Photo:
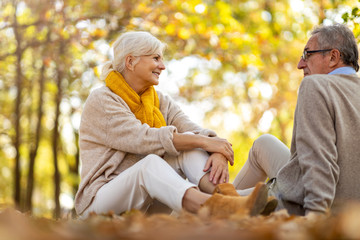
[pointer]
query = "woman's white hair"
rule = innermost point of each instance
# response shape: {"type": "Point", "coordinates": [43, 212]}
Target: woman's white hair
{"type": "Point", "coordinates": [131, 43]}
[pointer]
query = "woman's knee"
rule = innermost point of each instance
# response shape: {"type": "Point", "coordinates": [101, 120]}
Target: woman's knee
{"type": "Point", "coordinates": [193, 159]}
{"type": "Point", "coordinates": [196, 153]}
{"type": "Point", "coordinates": [153, 161]}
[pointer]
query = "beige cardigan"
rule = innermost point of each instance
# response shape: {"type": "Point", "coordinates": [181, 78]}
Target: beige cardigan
{"type": "Point", "coordinates": [324, 168]}
{"type": "Point", "coordinates": [112, 139]}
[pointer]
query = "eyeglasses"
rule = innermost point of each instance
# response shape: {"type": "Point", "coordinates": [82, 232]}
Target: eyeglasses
{"type": "Point", "coordinates": [306, 54]}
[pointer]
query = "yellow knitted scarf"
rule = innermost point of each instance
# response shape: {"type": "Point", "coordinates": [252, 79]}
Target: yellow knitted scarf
{"type": "Point", "coordinates": [144, 107]}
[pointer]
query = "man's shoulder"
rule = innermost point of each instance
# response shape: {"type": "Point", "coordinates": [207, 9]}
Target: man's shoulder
{"type": "Point", "coordinates": [322, 77]}
{"type": "Point", "coordinates": [325, 84]}
{"type": "Point", "coordinates": [325, 79]}
{"type": "Point", "coordinates": [315, 80]}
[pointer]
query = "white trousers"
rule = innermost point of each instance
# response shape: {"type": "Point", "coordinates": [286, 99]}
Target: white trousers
{"type": "Point", "coordinates": [266, 157]}
{"type": "Point", "coordinates": [152, 178]}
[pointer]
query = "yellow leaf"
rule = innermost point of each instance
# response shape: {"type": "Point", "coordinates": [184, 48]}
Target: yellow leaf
{"type": "Point", "coordinates": [8, 10]}
{"type": "Point", "coordinates": [170, 29]}
{"type": "Point", "coordinates": [184, 33]}
{"type": "Point", "coordinates": [98, 33]}
{"type": "Point", "coordinates": [200, 28]}
{"type": "Point", "coordinates": [96, 72]}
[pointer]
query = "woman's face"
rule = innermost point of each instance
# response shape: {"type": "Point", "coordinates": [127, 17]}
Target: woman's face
{"type": "Point", "coordinates": [148, 70]}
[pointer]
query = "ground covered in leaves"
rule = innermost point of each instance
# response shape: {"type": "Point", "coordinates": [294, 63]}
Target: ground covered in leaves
{"type": "Point", "coordinates": [135, 225]}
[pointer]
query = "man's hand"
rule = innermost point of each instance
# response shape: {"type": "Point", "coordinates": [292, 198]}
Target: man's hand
{"type": "Point", "coordinates": [219, 168]}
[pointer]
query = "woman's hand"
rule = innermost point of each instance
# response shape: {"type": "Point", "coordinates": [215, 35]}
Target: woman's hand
{"type": "Point", "coordinates": [183, 142]}
{"type": "Point", "coordinates": [219, 145]}
{"type": "Point", "coordinates": [219, 168]}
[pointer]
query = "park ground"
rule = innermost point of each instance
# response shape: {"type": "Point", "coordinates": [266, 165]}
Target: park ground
{"type": "Point", "coordinates": [135, 225]}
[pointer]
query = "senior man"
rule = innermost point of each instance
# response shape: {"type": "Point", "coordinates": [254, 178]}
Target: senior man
{"type": "Point", "coordinates": [321, 170]}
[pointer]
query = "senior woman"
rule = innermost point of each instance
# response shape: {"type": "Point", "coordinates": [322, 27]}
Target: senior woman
{"type": "Point", "coordinates": [137, 146]}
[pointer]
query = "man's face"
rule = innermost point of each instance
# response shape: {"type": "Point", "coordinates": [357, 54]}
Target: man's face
{"type": "Point", "coordinates": [316, 63]}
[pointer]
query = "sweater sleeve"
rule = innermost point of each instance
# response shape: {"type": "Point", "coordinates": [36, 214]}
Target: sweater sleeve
{"type": "Point", "coordinates": [316, 144]}
{"type": "Point", "coordinates": [124, 132]}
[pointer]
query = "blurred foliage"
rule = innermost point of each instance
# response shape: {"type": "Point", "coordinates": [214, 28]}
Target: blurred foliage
{"type": "Point", "coordinates": [232, 62]}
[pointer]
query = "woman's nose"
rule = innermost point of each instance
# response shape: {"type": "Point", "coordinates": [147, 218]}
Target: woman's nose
{"type": "Point", "coordinates": [162, 66]}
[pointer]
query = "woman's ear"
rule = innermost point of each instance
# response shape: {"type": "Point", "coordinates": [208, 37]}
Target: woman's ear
{"type": "Point", "coordinates": [129, 62]}
{"type": "Point", "coordinates": [335, 58]}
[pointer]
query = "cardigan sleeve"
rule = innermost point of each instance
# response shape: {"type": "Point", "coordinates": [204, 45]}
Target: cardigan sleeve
{"type": "Point", "coordinates": [316, 144]}
{"type": "Point", "coordinates": [123, 131]}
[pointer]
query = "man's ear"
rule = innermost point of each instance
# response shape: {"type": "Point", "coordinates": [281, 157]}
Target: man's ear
{"type": "Point", "coordinates": [335, 58]}
{"type": "Point", "coordinates": [129, 62]}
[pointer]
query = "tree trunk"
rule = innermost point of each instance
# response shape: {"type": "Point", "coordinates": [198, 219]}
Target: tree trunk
{"type": "Point", "coordinates": [60, 73]}
{"type": "Point", "coordinates": [17, 115]}
{"type": "Point", "coordinates": [34, 146]}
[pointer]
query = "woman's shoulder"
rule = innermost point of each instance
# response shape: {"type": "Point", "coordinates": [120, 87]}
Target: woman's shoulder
{"type": "Point", "coordinates": [104, 94]}
{"type": "Point", "coordinates": [99, 91]}
{"type": "Point", "coordinates": [161, 94]}
{"type": "Point", "coordinates": [104, 98]}
{"type": "Point", "coordinates": [164, 98]}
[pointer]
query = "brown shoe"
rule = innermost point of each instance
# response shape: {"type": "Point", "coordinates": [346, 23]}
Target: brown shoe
{"type": "Point", "coordinates": [226, 189]}
{"type": "Point", "coordinates": [229, 190]}
{"type": "Point", "coordinates": [222, 206]}
{"type": "Point", "coordinates": [270, 206]}
{"type": "Point", "coordinates": [257, 200]}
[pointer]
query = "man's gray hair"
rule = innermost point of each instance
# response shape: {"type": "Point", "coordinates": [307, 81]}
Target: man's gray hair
{"type": "Point", "coordinates": [340, 37]}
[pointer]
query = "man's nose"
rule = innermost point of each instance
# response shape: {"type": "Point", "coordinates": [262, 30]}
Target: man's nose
{"type": "Point", "coordinates": [301, 64]}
